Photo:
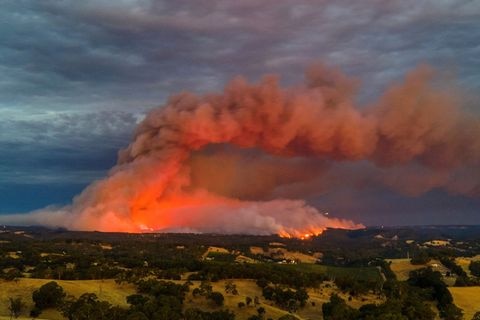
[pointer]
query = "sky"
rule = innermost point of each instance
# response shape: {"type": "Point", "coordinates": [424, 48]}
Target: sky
{"type": "Point", "coordinates": [77, 76]}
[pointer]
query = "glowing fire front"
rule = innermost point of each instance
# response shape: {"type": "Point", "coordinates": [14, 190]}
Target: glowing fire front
{"type": "Point", "coordinates": [206, 212]}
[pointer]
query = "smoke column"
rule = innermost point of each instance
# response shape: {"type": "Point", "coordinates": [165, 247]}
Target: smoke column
{"type": "Point", "coordinates": [188, 167]}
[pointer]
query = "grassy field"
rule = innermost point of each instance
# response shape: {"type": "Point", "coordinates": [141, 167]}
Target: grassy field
{"type": "Point", "coordinates": [115, 294]}
{"type": "Point", "coordinates": [249, 288]}
{"type": "Point", "coordinates": [214, 250]}
{"type": "Point", "coordinates": [245, 288]}
{"type": "Point", "coordinates": [464, 262]}
{"type": "Point", "coordinates": [105, 290]}
{"type": "Point", "coordinates": [467, 298]}
{"type": "Point", "coordinates": [282, 253]}
{"type": "Point", "coordinates": [402, 268]}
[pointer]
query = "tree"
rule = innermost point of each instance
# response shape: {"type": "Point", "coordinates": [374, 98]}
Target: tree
{"type": "Point", "coordinates": [35, 312]}
{"type": "Point", "coordinates": [262, 283]}
{"type": "Point", "coordinates": [216, 297]}
{"type": "Point", "coordinates": [248, 300]}
{"type": "Point", "coordinates": [242, 304]}
{"type": "Point", "coordinates": [12, 275]}
{"type": "Point", "coordinates": [196, 292]}
{"type": "Point", "coordinates": [337, 309]}
{"type": "Point", "coordinates": [462, 282]}
{"type": "Point", "coordinates": [15, 307]}
{"type": "Point", "coordinates": [49, 295]}
{"type": "Point", "coordinates": [286, 297]}
{"type": "Point", "coordinates": [194, 314]}
{"type": "Point", "coordinates": [88, 307]}
{"type": "Point", "coordinates": [136, 299]}
{"type": "Point", "coordinates": [292, 305]}
{"type": "Point", "coordinates": [205, 288]}
{"type": "Point", "coordinates": [452, 312]}
{"type": "Point", "coordinates": [231, 287]}
{"type": "Point", "coordinates": [420, 257]}
{"type": "Point", "coordinates": [197, 314]}
{"type": "Point", "coordinates": [426, 278]}
{"type": "Point", "coordinates": [476, 316]}
{"type": "Point", "coordinates": [475, 268]}
{"type": "Point", "coordinates": [261, 312]}
{"type": "Point", "coordinates": [288, 317]}
{"type": "Point", "coordinates": [137, 316]}
{"type": "Point", "coordinates": [302, 296]}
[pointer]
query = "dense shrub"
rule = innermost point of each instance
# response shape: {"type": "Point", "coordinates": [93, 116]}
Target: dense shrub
{"type": "Point", "coordinates": [217, 298]}
{"type": "Point", "coordinates": [49, 295]}
{"type": "Point", "coordinates": [475, 268]}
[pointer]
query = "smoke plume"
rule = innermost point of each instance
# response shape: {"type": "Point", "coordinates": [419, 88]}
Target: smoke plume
{"type": "Point", "coordinates": [237, 161]}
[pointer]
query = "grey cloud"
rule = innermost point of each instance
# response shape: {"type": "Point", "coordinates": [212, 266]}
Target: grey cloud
{"type": "Point", "coordinates": [135, 49]}
{"type": "Point", "coordinates": [61, 147]}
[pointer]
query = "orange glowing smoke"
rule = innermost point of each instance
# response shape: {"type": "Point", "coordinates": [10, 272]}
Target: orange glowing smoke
{"type": "Point", "coordinates": [164, 180]}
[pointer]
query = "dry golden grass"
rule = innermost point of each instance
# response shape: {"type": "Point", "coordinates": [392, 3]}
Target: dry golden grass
{"type": "Point", "coordinates": [402, 268]}
{"type": "Point", "coordinates": [256, 250]}
{"type": "Point", "coordinates": [437, 243]}
{"type": "Point", "coordinates": [23, 318]}
{"type": "Point", "coordinates": [467, 298]}
{"type": "Point", "coordinates": [13, 255]}
{"type": "Point", "coordinates": [106, 246]}
{"type": "Point", "coordinates": [244, 259]}
{"type": "Point", "coordinates": [249, 288]}
{"type": "Point", "coordinates": [245, 288]}
{"type": "Point", "coordinates": [322, 295]}
{"type": "Point", "coordinates": [464, 262]}
{"type": "Point", "coordinates": [105, 290]}
{"type": "Point", "coordinates": [282, 253]}
{"type": "Point", "coordinates": [49, 254]}
{"type": "Point", "coordinates": [276, 244]}
{"type": "Point", "coordinates": [302, 257]}
{"type": "Point", "coordinates": [214, 250]}
{"type": "Point", "coordinates": [115, 294]}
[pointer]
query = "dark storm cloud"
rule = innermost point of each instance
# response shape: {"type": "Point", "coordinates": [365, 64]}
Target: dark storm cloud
{"type": "Point", "coordinates": [61, 147]}
{"type": "Point", "coordinates": [75, 76]}
{"type": "Point", "coordinates": [142, 50]}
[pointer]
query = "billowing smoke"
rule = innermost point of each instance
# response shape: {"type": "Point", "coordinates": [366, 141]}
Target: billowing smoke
{"type": "Point", "coordinates": [236, 162]}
